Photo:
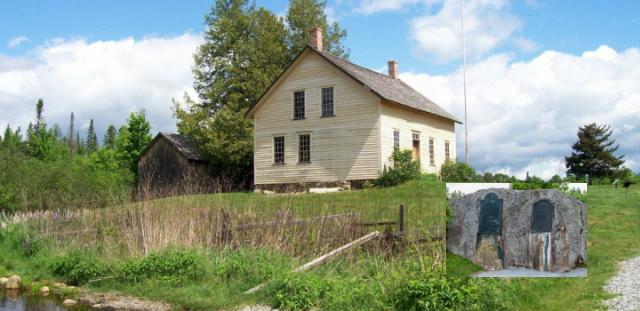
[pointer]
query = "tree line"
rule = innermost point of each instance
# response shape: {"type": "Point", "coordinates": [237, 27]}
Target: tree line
{"type": "Point", "coordinates": [44, 168]}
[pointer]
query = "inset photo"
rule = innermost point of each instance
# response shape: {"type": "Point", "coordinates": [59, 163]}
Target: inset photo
{"type": "Point", "coordinates": [509, 230]}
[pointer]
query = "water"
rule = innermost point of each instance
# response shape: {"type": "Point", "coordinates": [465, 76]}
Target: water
{"type": "Point", "coordinates": [11, 301]}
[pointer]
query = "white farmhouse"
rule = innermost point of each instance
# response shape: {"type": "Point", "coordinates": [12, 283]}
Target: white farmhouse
{"type": "Point", "coordinates": [328, 122]}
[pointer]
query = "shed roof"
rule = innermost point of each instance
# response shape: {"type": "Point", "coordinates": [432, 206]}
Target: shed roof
{"type": "Point", "coordinates": [184, 145]}
{"type": "Point", "coordinates": [394, 90]}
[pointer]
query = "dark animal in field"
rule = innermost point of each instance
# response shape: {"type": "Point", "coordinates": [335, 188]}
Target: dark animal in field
{"type": "Point", "coordinates": [627, 184]}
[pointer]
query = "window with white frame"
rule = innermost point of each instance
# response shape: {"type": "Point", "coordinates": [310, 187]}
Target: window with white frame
{"type": "Point", "coordinates": [304, 148]}
{"type": "Point", "coordinates": [327, 102]}
{"type": "Point", "coordinates": [446, 151]}
{"type": "Point", "coordinates": [278, 150]}
{"type": "Point", "coordinates": [298, 105]}
{"type": "Point", "coordinates": [396, 139]}
{"type": "Point", "coordinates": [432, 155]}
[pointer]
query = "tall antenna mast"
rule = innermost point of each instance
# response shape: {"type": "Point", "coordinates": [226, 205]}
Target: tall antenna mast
{"type": "Point", "coordinates": [464, 83]}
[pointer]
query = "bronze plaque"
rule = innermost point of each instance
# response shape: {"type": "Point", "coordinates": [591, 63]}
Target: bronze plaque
{"type": "Point", "coordinates": [490, 215]}
{"type": "Point", "coordinates": [542, 217]}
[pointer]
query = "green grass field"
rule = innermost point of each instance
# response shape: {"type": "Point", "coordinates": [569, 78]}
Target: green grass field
{"type": "Point", "coordinates": [613, 235]}
{"type": "Point", "coordinates": [202, 278]}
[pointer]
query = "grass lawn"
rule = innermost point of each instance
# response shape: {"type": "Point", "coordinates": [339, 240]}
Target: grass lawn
{"type": "Point", "coordinates": [613, 235]}
{"type": "Point", "coordinates": [105, 243]}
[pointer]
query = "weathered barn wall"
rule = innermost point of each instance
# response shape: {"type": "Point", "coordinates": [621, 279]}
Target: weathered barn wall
{"type": "Point", "coordinates": [519, 243]}
{"type": "Point", "coordinates": [164, 171]}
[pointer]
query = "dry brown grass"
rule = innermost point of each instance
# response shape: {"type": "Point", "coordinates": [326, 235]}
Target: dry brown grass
{"type": "Point", "coordinates": [302, 225]}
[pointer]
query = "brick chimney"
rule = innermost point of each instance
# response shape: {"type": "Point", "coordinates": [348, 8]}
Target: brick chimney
{"type": "Point", "coordinates": [315, 38]}
{"type": "Point", "coordinates": [393, 69]}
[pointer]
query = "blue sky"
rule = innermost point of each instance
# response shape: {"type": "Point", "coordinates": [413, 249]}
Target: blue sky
{"type": "Point", "coordinates": [551, 25]}
{"type": "Point", "coordinates": [537, 69]}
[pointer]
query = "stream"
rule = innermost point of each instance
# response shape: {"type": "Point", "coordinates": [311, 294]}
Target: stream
{"type": "Point", "coordinates": [12, 301]}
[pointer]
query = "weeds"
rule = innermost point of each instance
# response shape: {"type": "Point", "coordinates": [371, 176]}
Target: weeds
{"type": "Point", "coordinates": [175, 267]}
{"type": "Point", "coordinates": [77, 268]}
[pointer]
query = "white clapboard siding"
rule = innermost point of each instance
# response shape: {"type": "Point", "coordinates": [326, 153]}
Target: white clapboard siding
{"type": "Point", "coordinates": [344, 147]}
{"type": "Point", "coordinates": [406, 120]}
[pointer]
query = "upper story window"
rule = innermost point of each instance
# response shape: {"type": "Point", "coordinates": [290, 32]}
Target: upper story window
{"type": "Point", "coordinates": [278, 150]}
{"type": "Point", "coordinates": [327, 102]}
{"type": "Point", "coordinates": [446, 151]}
{"type": "Point", "coordinates": [396, 139]}
{"type": "Point", "coordinates": [298, 105]}
{"type": "Point", "coordinates": [432, 155]}
{"type": "Point", "coordinates": [304, 148]}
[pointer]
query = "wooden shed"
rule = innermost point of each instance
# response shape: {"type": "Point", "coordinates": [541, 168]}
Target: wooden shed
{"type": "Point", "coordinates": [171, 165]}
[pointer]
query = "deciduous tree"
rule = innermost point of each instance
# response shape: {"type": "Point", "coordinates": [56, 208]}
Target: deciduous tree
{"type": "Point", "coordinates": [132, 139]}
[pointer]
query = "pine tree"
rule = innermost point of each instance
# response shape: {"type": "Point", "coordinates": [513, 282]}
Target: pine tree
{"type": "Point", "coordinates": [109, 140]}
{"type": "Point", "coordinates": [593, 153]}
{"type": "Point", "coordinates": [70, 134]}
{"type": "Point", "coordinates": [39, 115]}
{"type": "Point", "coordinates": [92, 138]}
{"type": "Point", "coordinates": [6, 138]}
{"type": "Point", "coordinates": [40, 142]}
{"type": "Point", "coordinates": [80, 146]}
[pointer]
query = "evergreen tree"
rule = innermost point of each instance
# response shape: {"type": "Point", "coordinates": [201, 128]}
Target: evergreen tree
{"type": "Point", "coordinates": [303, 15]}
{"type": "Point", "coordinates": [92, 138]}
{"type": "Point", "coordinates": [6, 137]}
{"type": "Point", "coordinates": [11, 139]}
{"type": "Point", "coordinates": [244, 50]}
{"type": "Point", "coordinates": [593, 153]}
{"type": "Point", "coordinates": [70, 134]}
{"type": "Point", "coordinates": [79, 145]}
{"type": "Point", "coordinates": [40, 142]}
{"type": "Point", "coordinates": [109, 140]}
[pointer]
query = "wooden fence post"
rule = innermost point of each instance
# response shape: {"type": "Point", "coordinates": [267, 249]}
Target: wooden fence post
{"type": "Point", "coordinates": [227, 233]}
{"type": "Point", "coordinates": [401, 218]}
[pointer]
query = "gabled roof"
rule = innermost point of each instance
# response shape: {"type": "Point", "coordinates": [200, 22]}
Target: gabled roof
{"type": "Point", "coordinates": [393, 90]}
{"type": "Point", "coordinates": [184, 145]}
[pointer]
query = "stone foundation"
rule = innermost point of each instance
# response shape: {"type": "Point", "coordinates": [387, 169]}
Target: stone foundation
{"type": "Point", "coordinates": [304, 187]}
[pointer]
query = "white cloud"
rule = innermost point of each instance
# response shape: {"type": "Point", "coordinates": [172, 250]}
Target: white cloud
{"type": "Point", "coordinates": [375, 6]}
{"type": "Point", "coordinates": [487, 24]}
{"type": "Point", "coordinates": [523, 116]}
{"type": "Point", "coordinates": [525, 44]}
{"type": "Point", "coordinates": [17, 41]}
{"type": "Point", "coordinates": [103, 80]}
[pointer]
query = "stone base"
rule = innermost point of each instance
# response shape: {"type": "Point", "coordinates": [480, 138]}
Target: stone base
{"type": "Point", "coordinates": [305, 187]}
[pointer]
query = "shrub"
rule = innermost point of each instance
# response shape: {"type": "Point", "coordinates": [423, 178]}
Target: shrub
{"type": "Point", "coordinates": [16, 238]}
{"type": "Point", "coordinates": [63, 183]}
{"type": "Point", "coordinates": [77, 267]}
{"type": "Point", "coordinates": [404, 168]}
{"type": "Point", "coordinates": [458, 172]}
{"type": "Point", "coordinates": [436, 292]}
{"type": "Point", "coordinates": [172, 266]}
{"type": "Point", "coordinates": [298, 292]}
